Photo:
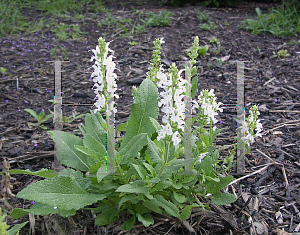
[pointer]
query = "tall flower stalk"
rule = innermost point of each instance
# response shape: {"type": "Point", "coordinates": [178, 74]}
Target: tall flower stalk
{"type": "Point", "coordinates": [252, 127]}
{"type": "Point", "coordinates": [104, 78]}
{"type": "Point", "coordinates": [172, 104]}
{"type": "Point", "coordinates": [105, 86]}
{"type": "Point", "coordinates": [155, 65]}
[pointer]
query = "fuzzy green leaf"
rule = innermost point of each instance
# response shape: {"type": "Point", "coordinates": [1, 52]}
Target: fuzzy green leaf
{"type": "Point", "coordinates": [130, 188]}
{"type": "Point", "coordinates": [140, 170]}
{"type": "Point", "coordinates": [90, 142]}
{"type": "Point", "coordinates": [150, 168]}
{"type": "Point", "coordinates": [108, 216]}
{"type": "Point", "coordinates": [145, 105]}
{"type": "Point", "coordinates": [214, 187]}
{"type": "Point", "coordinates": [153, 151]}
{"type": "Point", "coordinates": [15, 229]}
{"type": "Point", "coordinates": [17, 213]}
{"type": "Point", "coordinates": [32, 112]}
{"type": "Point", "coordinates": [186, 212]}
{"type": "Point", "coordinates": [43, 209]}
{"type": "Point", "coordinates": [46, 173]}
{"type": "Point", "coordinates": [179, 197]}
{"type": "Point", "coordinates": [155, 123]}
{"type": "Point", "coordinates": [134, 146]}
{"type": "Point", "coordinates": [72, 157]}
{"type": "Point", "coordinates": [169, 207]}
{"type": "Point", "coordinates": [146, 219]}
{"type": "Point", "coordinates": [89, 152]}
{"type": "Point", "coordinates": [127, 226]}
{"type": "Point", "coordinates": [194, 86]}
{"type": "Point", "coordinates": [101, 173]}
{"type": "Point", "coordinates": [223, 198]}
{"type": "Point", "coordinates": [152, 205]}
{"type": "Point", "coordinates": [128, 197]}
{"type": "Point", "coordinates": [94, 125]}
{"type": "Point", "coordinates": [63, 192]}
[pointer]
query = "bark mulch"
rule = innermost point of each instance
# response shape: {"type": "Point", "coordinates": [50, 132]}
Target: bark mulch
{"type": "Point", "coordinates": [268, 200]}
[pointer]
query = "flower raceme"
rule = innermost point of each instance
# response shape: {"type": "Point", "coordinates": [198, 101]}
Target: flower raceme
{"type": "Point", "coordinates": [104, 78]}
{"type": "Point", "coordinates": [172, 104]}
{"type": "Point", "coordinates": [208, 106]}
{"type": "Point", "coordinates": [251, 125]}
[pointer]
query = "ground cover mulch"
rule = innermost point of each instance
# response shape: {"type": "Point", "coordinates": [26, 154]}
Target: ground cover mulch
{"type": "Point", "coordinates": [268, 201]}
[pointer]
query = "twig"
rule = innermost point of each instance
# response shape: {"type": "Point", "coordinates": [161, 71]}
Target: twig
{"type": "Point", "coordinates": [282, 125]}
{"type": "Point", "coordinates": [269, 80]}
{"type": "Point", "coordinates": [284, 111]}
{"type": "Point", "coordinates": [253, 173]}
{"type": "Point", "coordinates": [285, 178]}
{"type": "Point", "coordinates": [291, 156]}
{"type": "Point", "coordinates": [266, 156]}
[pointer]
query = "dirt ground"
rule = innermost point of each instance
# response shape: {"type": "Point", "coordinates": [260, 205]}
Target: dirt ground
{"type": "Point", "coordinates": [268, 202]}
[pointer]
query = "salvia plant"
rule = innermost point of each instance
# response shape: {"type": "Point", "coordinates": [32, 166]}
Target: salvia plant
{"type": "Point", "coordinates": [151, 172]}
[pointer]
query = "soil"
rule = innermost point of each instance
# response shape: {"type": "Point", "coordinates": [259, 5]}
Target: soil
{"type": "Point", "coordinates": [268, 201]}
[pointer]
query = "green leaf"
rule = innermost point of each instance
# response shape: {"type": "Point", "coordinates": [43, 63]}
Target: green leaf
{"type": "Point", "coordinates": [47, 117]}
{"type": "Point", "coordinates": [206, 165]}
{"type": "Point", "coordinates": [89, 152]}
{"type": "Point", "coordinates": [124, 28]}
{"type": "Point", "coordinates": [94, 124]}
{"type": "Point", "coordinates": [150, 168]}
{"type": "Point", "coordinates": [108, 216]}
{"type": "Point", "coordinates": [82, 181]}
{"type": "Point", "coordinates": [90, 142]}
{"type": "Point", "coordinates": [17, 213]}
{"type": "Point", "coordinates": [101, 173]}
{"type": "Point", "coordinates": [217, 186]}
{"type": "Point", "coordinates": [146, 219]}
{"type": "Point", "coordinates": [140, 170]}
{"type": "Point", "coordinates": [153, 151]}
{"type": "Point", "coordinates": [43, 209]}
{"type": "Point", "coordinates": [127, 226]}
{"type": "Point", "coordinates": [128, 197]}
{"type": "Point", "coordinates": [155, 123]}
{"type": "Point", "coordinates": [223, 198]}
{"type": "Point", "coordinates": [145, 105]}
{"type": "Point", "coordinates": [122, 127]}
{"type": "Point", "coordinates": [161, 186]}
{"type": "Point", "coordinates": [194, 86]}
{"type": "Point", "coordinates": [72, 157]}
{"type": "Point", "coordinates": [40, 116]}
{"type": "Point", "coordinates": [32, 112]}
{"type": "Point", "coordinates": [134, 146]}
{"type": "Point", "coordinates": [169, 207]}
{"type": "Point", "coordinates": [130, 188]}
{"type": "Point", "coordinates": [15, 230]}
{"type": "Point", "coordinates": [42, 173]}
{"type": "Point", "coordinates": [63, 192]}
{"type": "Point", "coordinates": [179, 197]}
{"type": "Point", "coordinates": [152, 205]}
{"type": "Point", "coordinates": [186, 212]}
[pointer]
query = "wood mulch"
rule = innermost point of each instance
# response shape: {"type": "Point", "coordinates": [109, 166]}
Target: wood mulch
{"type": "Point", "coordinates": [268, 198]}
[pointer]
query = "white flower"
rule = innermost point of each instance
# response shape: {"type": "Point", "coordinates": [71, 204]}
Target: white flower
{"type": "Point", "coordinates": [172, 104]}
{"type": "Point", "coordinates": [201, 156]}
{"type": "Point", "coordinates": [167, 129]}
{"type": "Point", "coordinates": [250, 125]}
{"type": "Point", "coordinates": [175, 138]}
{"type": "Point", "coordinates": [96, 52]}
{"type": "Point", "coordinates": [208, 103]}
{"type": "Point", "coordinates": [100, 102]}
{"type": "Point", "coordinates": [99, 79]}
